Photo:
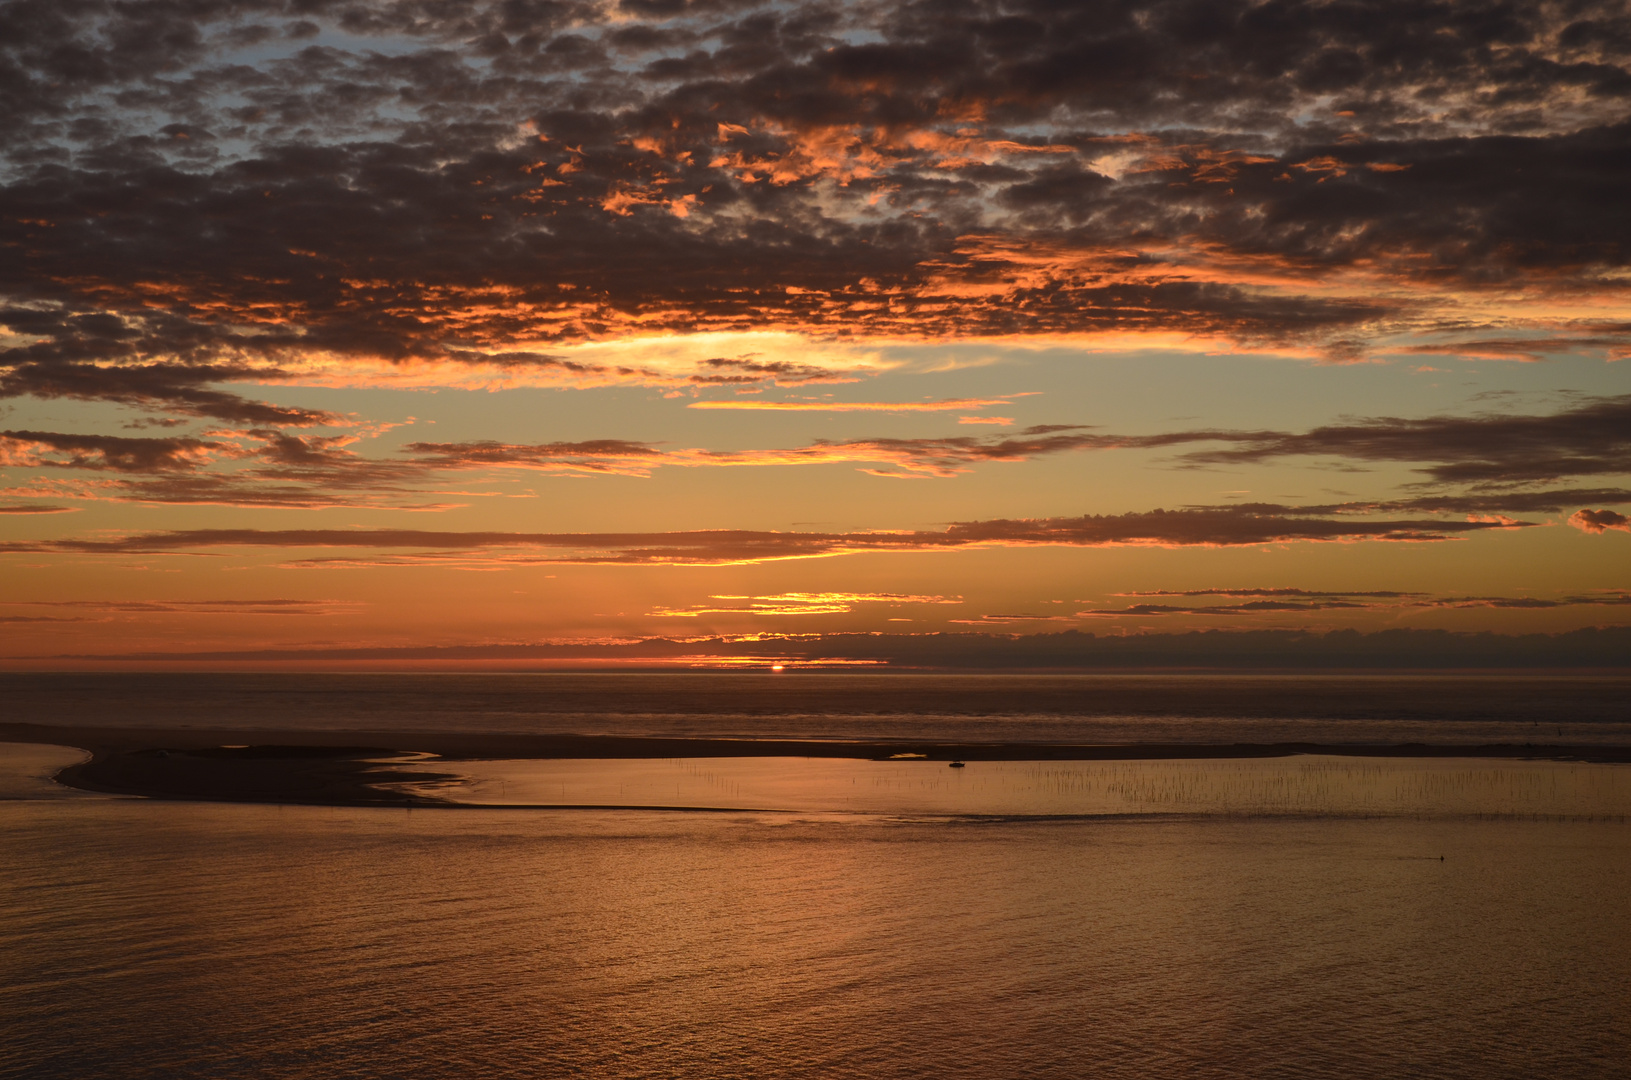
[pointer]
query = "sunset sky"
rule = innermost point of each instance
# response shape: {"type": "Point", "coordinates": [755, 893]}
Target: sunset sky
{"type": "Point", "coordinates": [336, 326]}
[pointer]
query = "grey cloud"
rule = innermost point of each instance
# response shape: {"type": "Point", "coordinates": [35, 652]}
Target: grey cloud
{"type": "Point", "coordinates": [1314, 594]}
{"type": "Point", "coordinates": [1528, 603]}
{"type": "Point", "coordinates": [593, 455]}
{"type": "Point", "coordinates": [34, 508]}
{"type": "Point", "coordinates": [1308, 602]}
{"type": "Point", "coordinates": [174, 388]}
{"type": "Point", "coordinates": [1214, 526]}
{"type": "Point", "coordinates": [439, 196]}
{"type": "Point", "coordinates": [1500, 455]}
{"type": "Point", "coordinates": [1254, 607]}
{"type": "Point", "coordinates": [1592, 438]}
{"type": "Point", "coordinates": [200, 607]}
{"type": "Point", "coordinates": [1599, 521]}
{"type": "Point", "coordinates": [257, 467]}
{"type": "Point", "coordinates": [146, 359]}
{"type": "Point", "coordinates": [103, 452]}
{"type": "Point", "coordinates": [1485, 502]}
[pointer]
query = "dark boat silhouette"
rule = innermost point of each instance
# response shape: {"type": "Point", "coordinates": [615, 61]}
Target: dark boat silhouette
{"type": "Point", "coordinates": [957, 765]}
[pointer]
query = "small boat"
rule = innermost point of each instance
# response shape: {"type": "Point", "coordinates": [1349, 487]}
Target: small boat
{"type": "Point", "coordinates": [958, 765]}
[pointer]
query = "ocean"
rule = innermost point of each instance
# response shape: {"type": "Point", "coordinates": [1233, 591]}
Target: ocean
{"type": "Point", "coordinates": [1308, 916]}
{"type": "Point", "coordinates": [1472, 708]}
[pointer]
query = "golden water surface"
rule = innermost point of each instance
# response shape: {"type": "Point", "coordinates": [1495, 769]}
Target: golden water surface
{"type": "Point", "coordinates": [1221, 924]}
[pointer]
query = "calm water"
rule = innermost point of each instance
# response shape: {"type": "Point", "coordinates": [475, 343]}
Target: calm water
{"type": "Point", "coordinates": [977, 708]}
{"type": "Point", "coordinates": [143, 939]}
{"type": "Point", "coordinates": [1302, 785]}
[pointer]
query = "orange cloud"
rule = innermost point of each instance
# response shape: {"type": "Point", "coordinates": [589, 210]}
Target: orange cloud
{"type": "Point", "coordinates": [909, 178]}
{"type": "Point", "coordinates": [800, 603]}
{"type": "Point", "coordinates": [946, 405]}
{"type": "Point", "coordinates": [1598, 521]}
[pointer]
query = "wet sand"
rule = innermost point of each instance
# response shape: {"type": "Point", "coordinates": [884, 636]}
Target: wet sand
{"type": "Point", "coordinates": [344, 768]}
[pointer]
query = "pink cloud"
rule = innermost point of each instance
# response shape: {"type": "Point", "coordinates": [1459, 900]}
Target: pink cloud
{"type": "Point", "coordinates": [1598, 521]}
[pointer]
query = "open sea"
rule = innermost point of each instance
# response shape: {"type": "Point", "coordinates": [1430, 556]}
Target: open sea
{"type": "Point", "coordinates": [1480, 708]}
{"type": "Point", "coordinates": [1309, 916]}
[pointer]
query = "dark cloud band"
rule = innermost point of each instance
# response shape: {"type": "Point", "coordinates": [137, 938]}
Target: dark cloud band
{"type": "Point", "coordinates": [192, 194]}
{"type": "Point", "coordinates": [1215, 526]}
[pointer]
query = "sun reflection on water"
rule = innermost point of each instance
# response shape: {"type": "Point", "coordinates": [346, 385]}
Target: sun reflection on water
{"type": "Point", "coordinates": [1306, 785]}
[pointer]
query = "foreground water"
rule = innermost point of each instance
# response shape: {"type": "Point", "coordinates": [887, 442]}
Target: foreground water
{"type": "Point", "coordinates": [143, 939]}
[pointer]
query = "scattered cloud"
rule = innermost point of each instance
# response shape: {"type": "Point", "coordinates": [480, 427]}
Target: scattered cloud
{"type": "Point", "coordinates": [1283, 601]}
{"type": "Point", "coordinates": [199, 607]}
{"type": "Point", "coordinates": [221, 194]}
{"type": "Point", "coordinates": [209, 206]}
{"type": "Point", "coordinates": [1317, 594]}
{"type": "Point", "coordinates": [1592, 438]}
{"type": "Point", "coordinates": [1501, 456]}
{"type": "Point", "coordinates": [1597, 521]}
{"type": "Point", "coordinates": [1604, 599]}
{"type": "Point", "coordinates": [68, 365]}
{"type": "Point", "coordinates": [37, 449]}
{"type": "Point", "coordinates": [1484, 501]}
{"type": "Point", "coordinates": [1205, 527]}
{"type": "Point", "coordinates": [797, 603]}
{"type": "Point", "coordinates": [35, 508]}
{"type": "Point", "coordinates": [1534, 350]}
{"type": "Point", "coordinates": [947, 405]}
{"type": "Point", "coordinates": [988, 620]}
{"type": "Point", "coordinates": [1251, 607]}
{"type": "Point", "coordinates": [943, 457]}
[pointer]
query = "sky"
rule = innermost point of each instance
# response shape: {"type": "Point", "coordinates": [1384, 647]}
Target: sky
{"type": "Point", "coordinates": [337, 328]}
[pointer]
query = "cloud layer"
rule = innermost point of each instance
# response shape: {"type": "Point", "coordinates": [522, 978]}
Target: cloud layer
{"type": "Point", "coordinates": [209, 204]}
{"type": "Point", "coordinates": [194, 195]}
{"type": "Point", "coordinates": [1208, 526]}
{"type": "Point", "coordinates": [1494, 463]}
{"type": "Point", "coordinates": [1592, 438]}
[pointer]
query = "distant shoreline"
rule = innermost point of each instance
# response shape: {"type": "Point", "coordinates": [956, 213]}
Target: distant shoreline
{"type": "Point", "coordinates": [345, 768]}
{"type": "Point", "coordinates": [1389, 652]}
{"type": "Point", "coordinates": [766, 667]}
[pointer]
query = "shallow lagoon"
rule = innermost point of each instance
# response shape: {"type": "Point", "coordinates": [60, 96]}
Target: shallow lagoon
{"type": "Point", "coordinates": [1302, 785]}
